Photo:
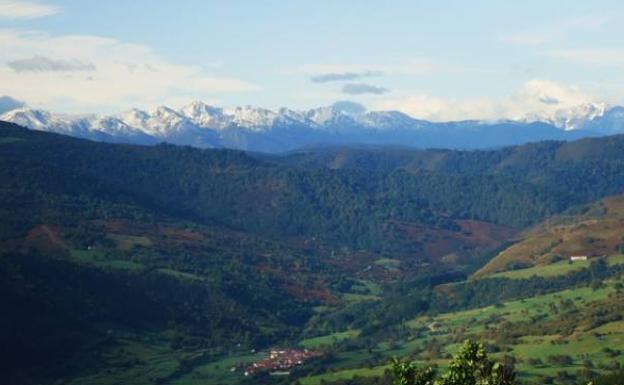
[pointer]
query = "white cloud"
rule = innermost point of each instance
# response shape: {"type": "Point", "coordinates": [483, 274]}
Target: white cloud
{"type": "Point", "coordinates": [535, 98]}
{"type": "Point", "coordinates": [416, 66]}
{"type": "Point", "coordinates": [120, 74]}
{"type": "Point", "coordinates": [433, 108]}
{"type": "Point", "coordinates": [559, 29]}
{"type": "Point", "coordinates": [11, 9]}
{"type": "Point", "coordinates": [592, 56]}
{"type": "Point", "coordinates": [528, 39]}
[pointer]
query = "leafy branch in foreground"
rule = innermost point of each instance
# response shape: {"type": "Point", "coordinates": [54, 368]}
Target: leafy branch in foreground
{"type": "Point", "coordinates": [470, 366]}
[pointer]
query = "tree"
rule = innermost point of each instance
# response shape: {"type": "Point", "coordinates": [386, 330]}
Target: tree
{"type": "Point", "coordinates": [407, 373]}
{"type": "Point", "coordinates": [470, 366]}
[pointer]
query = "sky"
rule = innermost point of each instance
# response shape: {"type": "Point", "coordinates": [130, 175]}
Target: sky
{"type": "Point", "coordinates": [437, 60]}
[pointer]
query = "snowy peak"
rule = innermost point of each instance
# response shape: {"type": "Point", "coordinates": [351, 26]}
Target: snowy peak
{"type": "Point", "coordinates": [611, 121]}
{"type": "Point", "coordinates": [34, 119]}
{"type": "Point", "coordinates": [197, 109]}
{"type": "Point", "coordinates": [163, 121]}
{"type": "Point", "coordinates": [389, 120]}
{"type": "Point", "coordinates": [76, 125]}
{"type": "Point", "coordinates": [111, 125]}
{"type": "Point", "coordinates": [251, 117]}
{"type": "Point", "coordinates": [598, 118]}
{"type": "Point", "coordinates": [46, 121]}
{"type": "Point", "coordinates": [348, 113]}
{"type": "Point", "coordinates": [134, 117]}
{"type": "Point", "coordinates": [571, 118]}
{"type": "Point", "coordinates": [167, 116]}
{"type": "Point", "coordinates": [336, 112]}
{"type": "Point", "coordinates": [158, 122]}
{"type": "Point", "coordinates": [575, 117]}
{"type": "Point", "coordinates": [205, 115]}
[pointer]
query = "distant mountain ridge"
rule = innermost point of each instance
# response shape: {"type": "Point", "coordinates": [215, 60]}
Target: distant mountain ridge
{"type": "Point", "coordinates": [259, 129]}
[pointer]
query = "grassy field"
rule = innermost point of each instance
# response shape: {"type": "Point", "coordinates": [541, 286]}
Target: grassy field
{"type": "Point", "coordinates": [353, 297]}
{"type": "Point", "coordinates": [554, 269]}
{"type": "Point", "coordinates": [388, 263]}
{"type": "Point", "coordinates": [511, 311]}
{"type": "Point", "coordinates": [366, 287]}
{"type": "Point", "coordinates": [181, 275]}
{"type": "Point", "coordinates": [376, 371]}
{"type": "Point", "coordinates": [9, 139]}
{"type": "Point", "coordinates": [328, 340]}
{"type": "Point", "coordinates": [373, 371]}
{"type": "Point", "coordinates": [447, 330]}
{"type": "Point", "coordinates": [362, 290]}
{"type": "Point", "coordinates": [99, 260]}
{"type": "Point", "coordinates": [135, 361]}
{"type": "Point", "coordinates": [150, 360]}
{"type": "Point", "coordinates": [219, 372]}
{"type": "Point", "coordinates": [128, 242]}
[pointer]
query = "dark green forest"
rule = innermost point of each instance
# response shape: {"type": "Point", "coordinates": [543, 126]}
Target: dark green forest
{"type": "Point", "coordinates": [274, 198]}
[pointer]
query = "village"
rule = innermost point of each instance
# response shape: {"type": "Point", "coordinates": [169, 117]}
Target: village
{"type": "Point", "coordinates": [281, 360]}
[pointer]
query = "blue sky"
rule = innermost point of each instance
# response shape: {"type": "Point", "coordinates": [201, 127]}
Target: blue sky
{"type": "Point", "coordinates": [440, 60]}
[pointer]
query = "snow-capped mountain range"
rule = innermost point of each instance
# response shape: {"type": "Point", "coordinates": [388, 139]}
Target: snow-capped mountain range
{"type": "Point", "coordinates": [259, 129]}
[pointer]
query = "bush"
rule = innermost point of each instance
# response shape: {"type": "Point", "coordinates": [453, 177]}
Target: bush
{"type": "Point", "coordinates": [560, 360]}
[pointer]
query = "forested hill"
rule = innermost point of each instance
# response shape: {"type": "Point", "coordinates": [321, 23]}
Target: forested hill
{"type": "Point", "coordinates": [536, 158]}
{"type": "Point", "coordinates": [356, 198]}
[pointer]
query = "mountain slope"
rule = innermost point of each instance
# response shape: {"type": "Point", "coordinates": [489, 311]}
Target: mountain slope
{"type": "Point", "coordinates": [591, 230]}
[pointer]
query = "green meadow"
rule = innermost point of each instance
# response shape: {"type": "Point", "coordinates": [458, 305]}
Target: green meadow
{"type": "Point", "coordinates": [434, 339]}
{"type": "Point", "coordinates": [554, 269]}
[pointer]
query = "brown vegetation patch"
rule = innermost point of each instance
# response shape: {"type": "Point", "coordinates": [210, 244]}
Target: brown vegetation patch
{"type": "Point", "coordinates": [314, 294]}
{"type": "Point", "coordinates": [45, 239]}
{"type": "Point", "coordinates": [158, 233]}
{"type": "Point", "coordinates": [438, 244]}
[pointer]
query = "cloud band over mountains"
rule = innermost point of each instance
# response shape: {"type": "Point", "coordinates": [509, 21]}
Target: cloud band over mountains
{"type": "Point", "coordinates": [344, 76]}
{"type": "Point", "coordinates": [361, 89]}
{"type": "Point", "coordinates": [45, 64]}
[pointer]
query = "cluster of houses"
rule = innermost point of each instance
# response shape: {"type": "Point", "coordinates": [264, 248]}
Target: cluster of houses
{"type": "Point", "coordinates": [280, 361]}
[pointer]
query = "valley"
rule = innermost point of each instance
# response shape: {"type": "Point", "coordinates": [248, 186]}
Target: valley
{"type": "Point", "coordinates": [211, 258]}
